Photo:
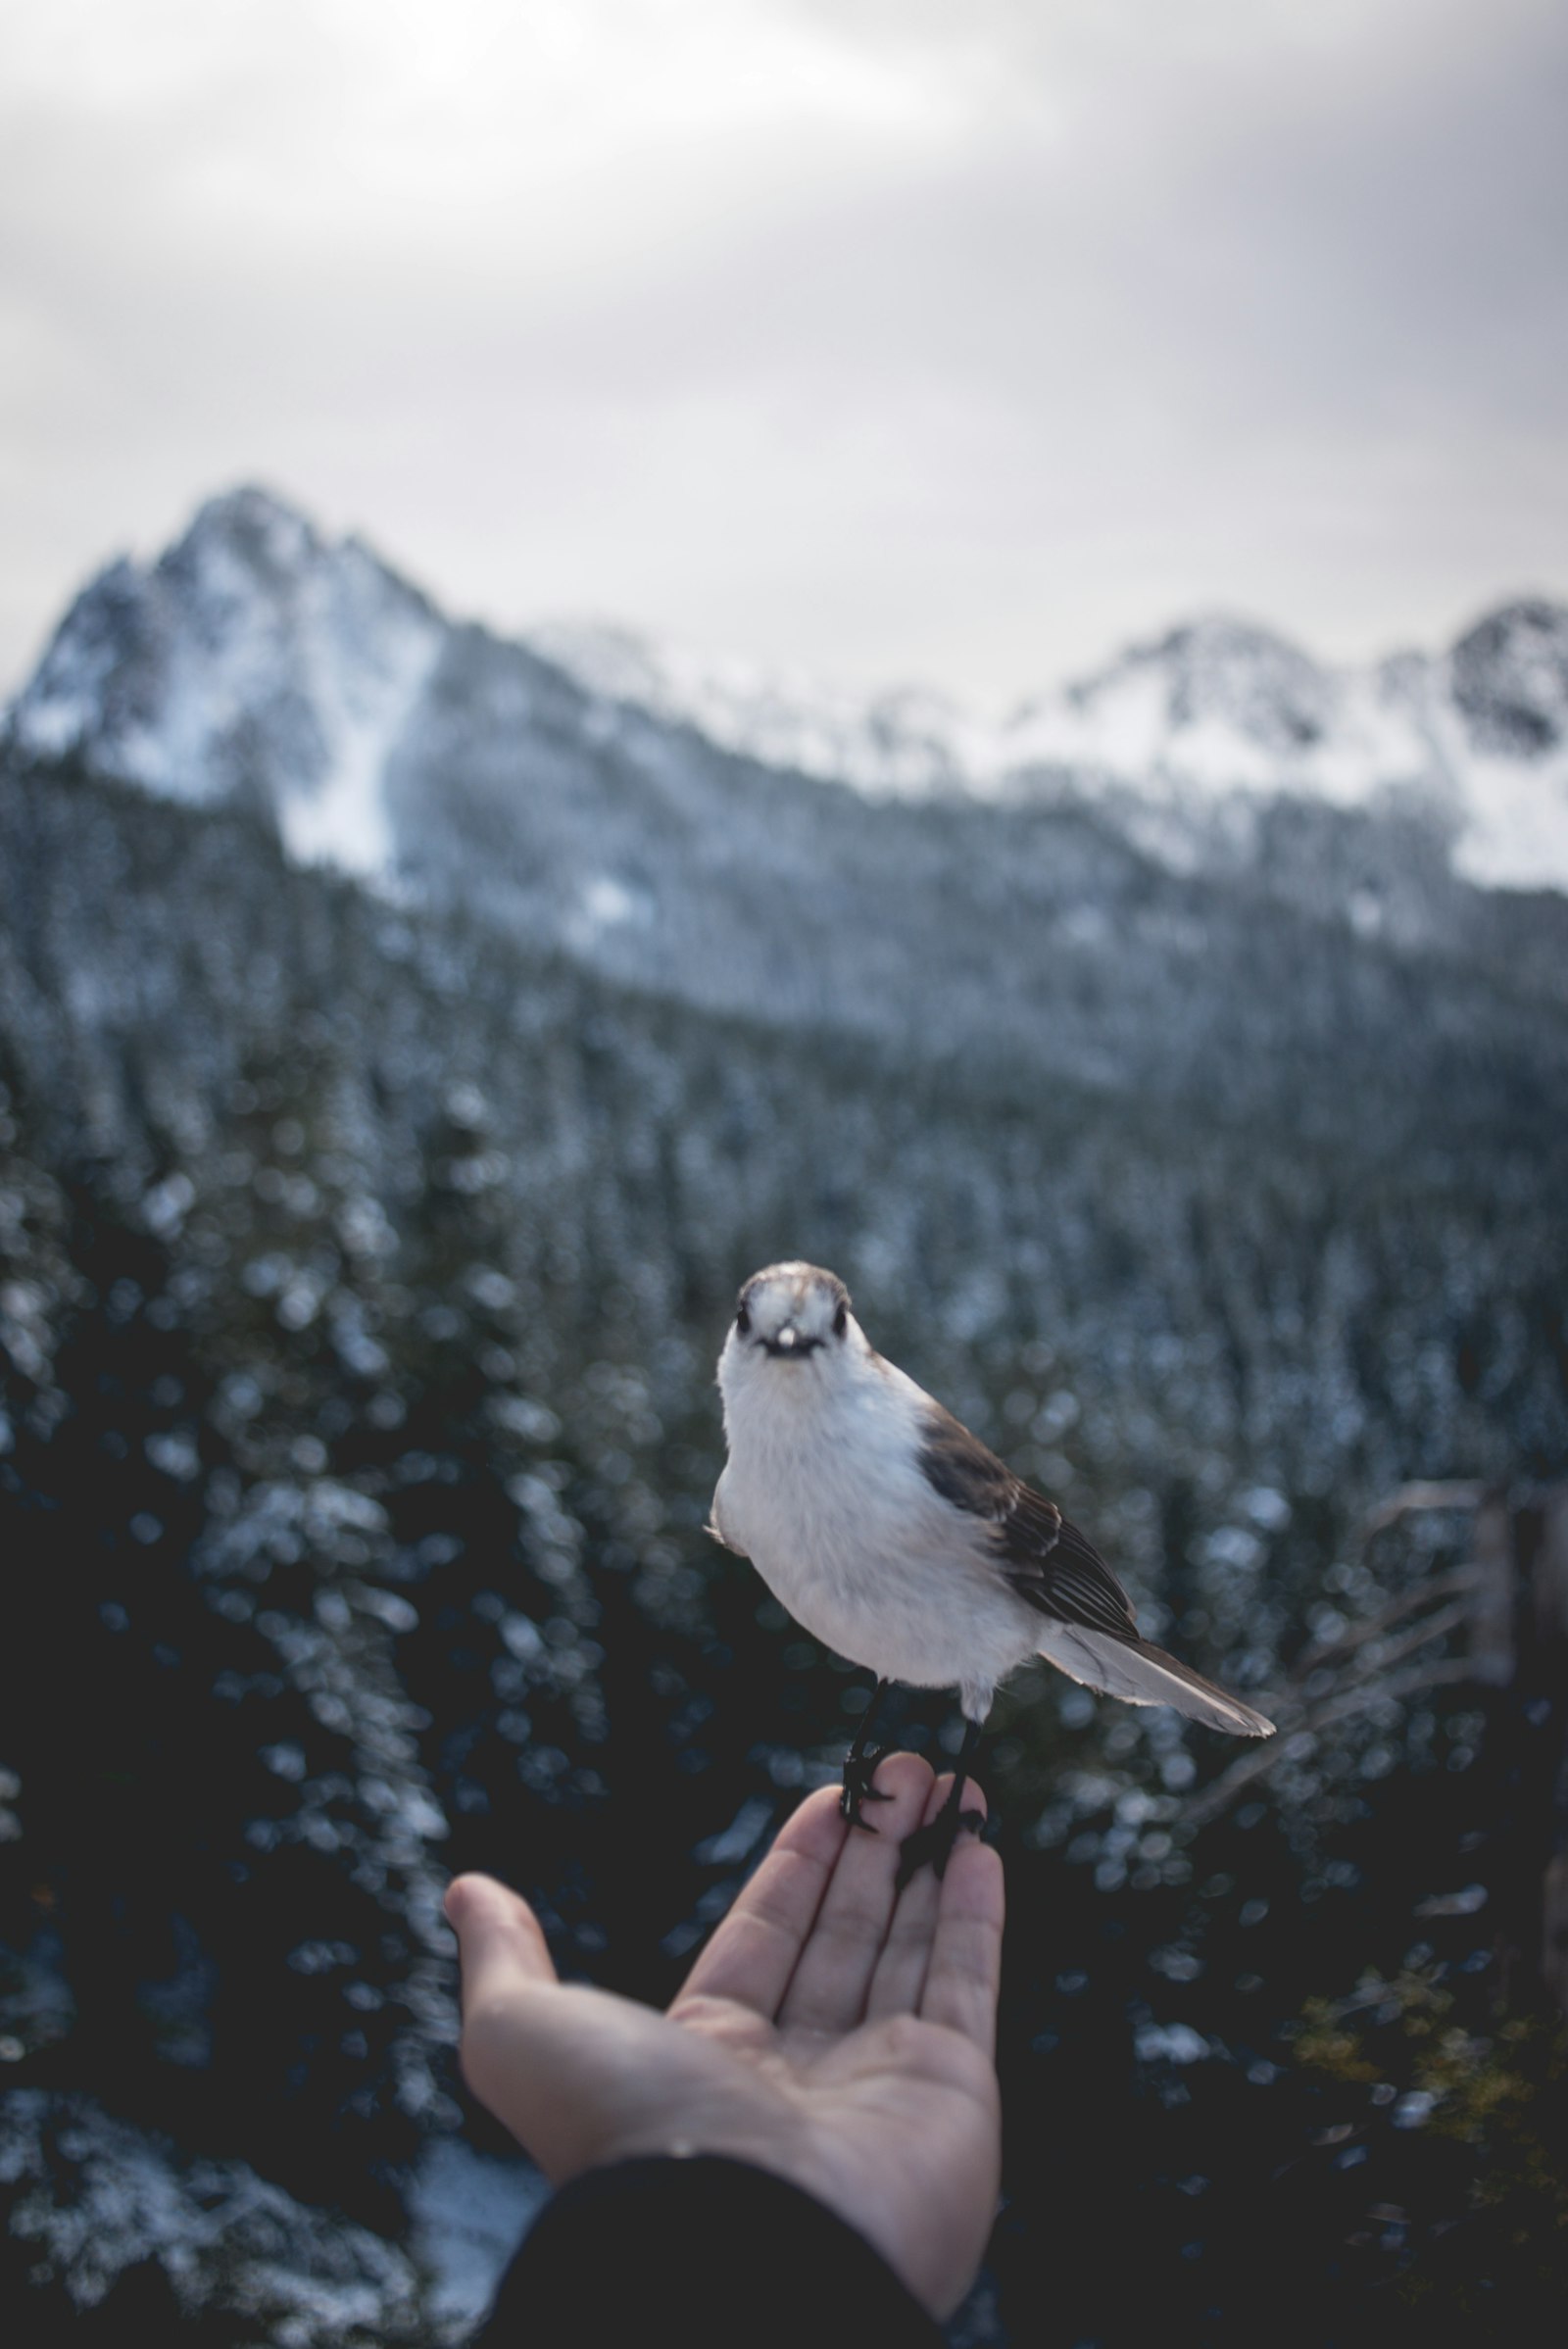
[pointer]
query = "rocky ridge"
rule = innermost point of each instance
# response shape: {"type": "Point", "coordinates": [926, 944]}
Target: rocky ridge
{"type": "Point", "coordinates": [255, 658]}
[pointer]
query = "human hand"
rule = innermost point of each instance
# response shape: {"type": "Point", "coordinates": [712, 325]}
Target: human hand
{"type": "Point", "coordinates": [834, 2031]}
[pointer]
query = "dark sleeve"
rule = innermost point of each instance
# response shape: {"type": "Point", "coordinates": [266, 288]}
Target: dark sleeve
{"type": "Point", "coordinates": [708, 2252]}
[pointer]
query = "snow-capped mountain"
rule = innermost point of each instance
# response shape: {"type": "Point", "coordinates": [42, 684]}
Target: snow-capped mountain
{"type": "Point", "coordinates": [254, 659]}
{"type": "Point", "coordinates": [1196, 725]}
{"type": "Point", "coordinates": [1219, 709]}
{"type": "Point", "coordinates": [258, 660]}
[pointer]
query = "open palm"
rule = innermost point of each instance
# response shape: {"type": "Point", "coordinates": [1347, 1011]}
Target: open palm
{"type": "Point", "coordinates": [835, 2030]}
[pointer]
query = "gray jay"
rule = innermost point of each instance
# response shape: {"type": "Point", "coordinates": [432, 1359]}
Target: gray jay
{"type": "Point", "coordinates": [897, 1539]}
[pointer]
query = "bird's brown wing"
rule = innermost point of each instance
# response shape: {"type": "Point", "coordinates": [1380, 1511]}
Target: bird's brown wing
{"type": "Point", "coordinates": [1053, 1566]}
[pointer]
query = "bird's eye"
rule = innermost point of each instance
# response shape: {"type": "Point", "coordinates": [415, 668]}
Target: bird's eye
{"type": "Point", "coordinates": [841, 1321]}
{"type": "Point", "coordinates": [743, 1321]}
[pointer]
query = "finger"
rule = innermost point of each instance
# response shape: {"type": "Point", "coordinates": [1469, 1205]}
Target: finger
{"type": "Point", "coordinates": [499, 1939]}
{"type": "Point", "coordinates": [754, 1950]}
{"type": "Point", "coordinates": [901, 1971]}
{"type": "Point", "coordinates": [829, 1988]}
{"type": "Point", "coordinates": [964, 1976]}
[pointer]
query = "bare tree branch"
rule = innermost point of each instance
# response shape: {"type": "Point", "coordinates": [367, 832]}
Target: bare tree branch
{"type": "Point", "coordinates": [1441, 1586]}
{"type": "Point", "coordinates": [1218, 1797]}
{"type": "Point", "coordinates": [1435, 1626]}
{"type": "Point", "coordinates": [1412, 1498]}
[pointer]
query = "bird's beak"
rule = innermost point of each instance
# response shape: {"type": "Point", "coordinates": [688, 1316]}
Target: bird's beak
{"type": "Point", "coordinates": [792, 1344]}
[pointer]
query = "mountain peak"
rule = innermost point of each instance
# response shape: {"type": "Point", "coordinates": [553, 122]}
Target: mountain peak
{"type": "Point", "coordinates": [254, 659]}
{"type": "Point", "coordinates": [1510, 678]}
{"type": "Point", "coordinates": [1223, 671]}
{"type": "Point", "coordinates": [251, 515]}
{"type": "Point", "coordinates": [260, 658]}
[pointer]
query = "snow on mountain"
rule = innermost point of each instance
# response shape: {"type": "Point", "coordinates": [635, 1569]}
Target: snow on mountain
{"type": "Point", "coordinates": [1178, 736]}
{"type": "Point", "coordinates": [895, 745]}
{"type": "Point", "coordinates": [256, 660]}
{"type": "Point", "coordinates": [1220, 706]}
{"type": "Point", "coordinates": [1504, 724]}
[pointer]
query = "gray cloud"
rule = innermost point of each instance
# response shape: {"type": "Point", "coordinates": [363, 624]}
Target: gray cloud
{"type": "Point", "coordinates": [893, 340]}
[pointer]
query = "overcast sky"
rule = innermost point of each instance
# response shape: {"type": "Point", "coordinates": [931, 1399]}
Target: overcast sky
{"type": "Point", "coordinates": [944, 340]}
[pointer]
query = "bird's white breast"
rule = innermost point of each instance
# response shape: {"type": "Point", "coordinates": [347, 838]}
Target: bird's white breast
{"type": "Point", "coordinates": [825, 1494]}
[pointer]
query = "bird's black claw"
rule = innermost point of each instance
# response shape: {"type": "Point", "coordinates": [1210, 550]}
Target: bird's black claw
{"type": "Point", "coordinates": [859, 1787]}
{"type": "Point", "coordinates": [935, 1843]}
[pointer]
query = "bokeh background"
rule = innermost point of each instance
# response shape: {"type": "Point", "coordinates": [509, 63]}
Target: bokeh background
{"type": "Point", "coordinates": [956, 665]}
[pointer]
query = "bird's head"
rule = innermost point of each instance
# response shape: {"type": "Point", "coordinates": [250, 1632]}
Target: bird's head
{"type": "Point", "coordinates": [792, 1322]}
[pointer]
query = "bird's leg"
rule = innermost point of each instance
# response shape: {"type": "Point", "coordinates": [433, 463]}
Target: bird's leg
{"type": "Point", "coordinates": [935, 1843]}
{"type": "Point", "coordinates": [859, 1766]}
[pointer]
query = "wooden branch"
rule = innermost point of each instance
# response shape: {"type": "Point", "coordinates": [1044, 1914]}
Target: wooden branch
{"type": "Point", "coordinates": [1412, 1500]}
{"type": "Point", "coordinates": [1440, 1586]}
{"type": "Point", "coordinates": [1221, 1793]}
{"type": "Point", "coordinates": [1435, 1626]}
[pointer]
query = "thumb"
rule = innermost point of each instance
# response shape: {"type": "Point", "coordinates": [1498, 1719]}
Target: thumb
{"type": "Point", "coordinates": [498, 1941]}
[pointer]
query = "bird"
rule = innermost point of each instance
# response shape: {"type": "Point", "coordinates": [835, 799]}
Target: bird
{"type": "Point", "coordinates": [899, 1540]}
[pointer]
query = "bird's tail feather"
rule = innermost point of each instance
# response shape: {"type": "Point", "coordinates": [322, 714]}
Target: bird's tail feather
{"type": "Point", "coordinates": [1139, 1673]}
